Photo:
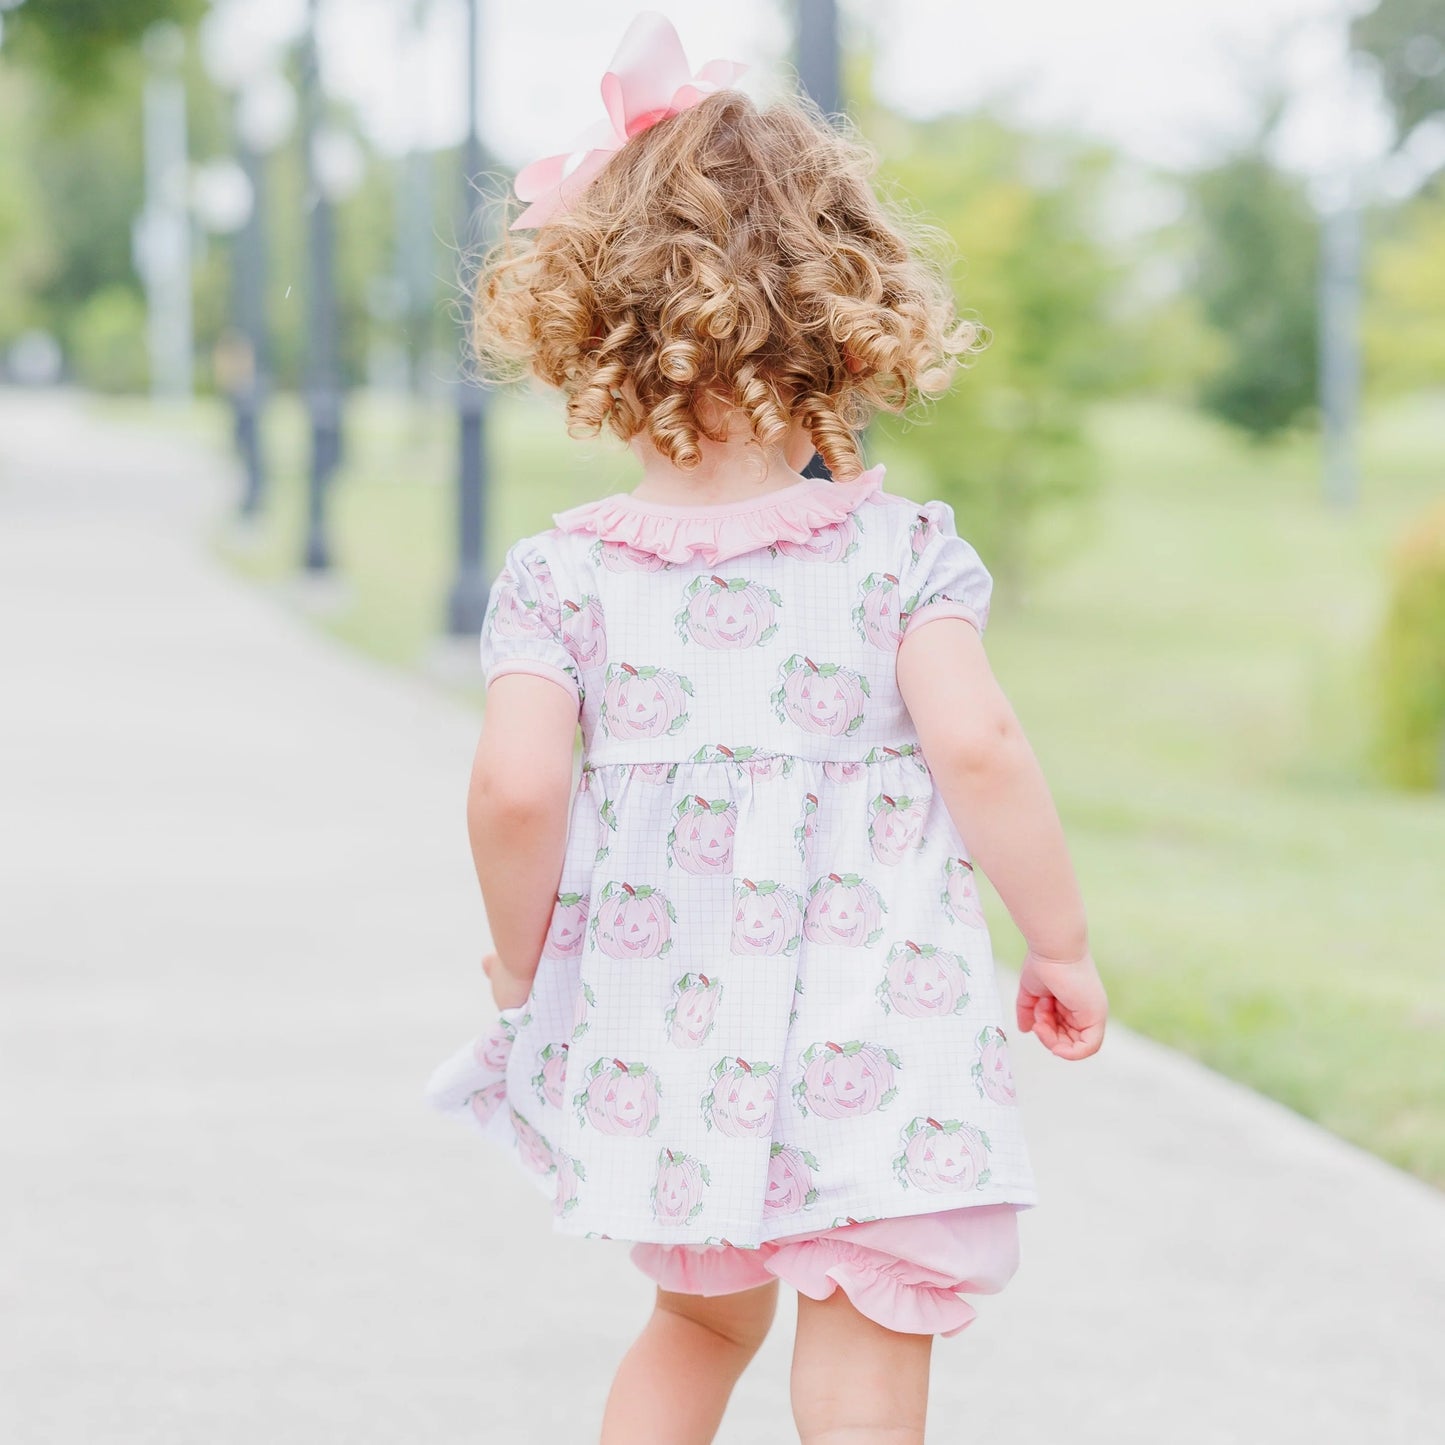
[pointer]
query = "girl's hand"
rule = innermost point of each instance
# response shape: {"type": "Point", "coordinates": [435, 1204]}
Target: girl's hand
{"type": "Point", "coordinates": [1064, 1004]}
{"type": "Point", "coordinates": [508, 990]}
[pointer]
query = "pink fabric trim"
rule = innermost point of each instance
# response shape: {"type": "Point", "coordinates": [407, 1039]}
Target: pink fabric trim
{"type": "Point", "coordinates": [536, 669]}
{"type": "Point", "coordinates": [940, 609]}
{"type": "Point", "coordinates": [715, 533]}
{"type": "Point", "coordinates": [909, 1274]}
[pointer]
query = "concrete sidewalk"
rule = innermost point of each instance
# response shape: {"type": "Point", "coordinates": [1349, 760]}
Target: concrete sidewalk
{"type": "Point", "coordinates": [239, 927]}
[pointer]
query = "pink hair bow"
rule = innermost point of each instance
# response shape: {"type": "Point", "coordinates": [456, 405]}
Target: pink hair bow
{"type": "Point", "coordinates": [647, 81]}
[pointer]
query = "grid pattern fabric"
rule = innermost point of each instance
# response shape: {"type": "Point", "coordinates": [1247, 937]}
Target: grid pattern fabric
{"type": "Point", "coordinates": [767, 1002]}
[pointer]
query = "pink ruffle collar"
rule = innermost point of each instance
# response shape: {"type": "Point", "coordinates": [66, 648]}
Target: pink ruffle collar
{"type": "Point", "coordinates": [714, 533]}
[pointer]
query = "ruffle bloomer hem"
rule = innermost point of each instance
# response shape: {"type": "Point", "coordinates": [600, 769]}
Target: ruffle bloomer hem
{"type": "Point", "coordinates": [908, 1275]}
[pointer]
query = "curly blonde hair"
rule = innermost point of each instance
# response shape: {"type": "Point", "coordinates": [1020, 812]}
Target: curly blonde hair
{"type": "Point", "coordinates": [730, 253]}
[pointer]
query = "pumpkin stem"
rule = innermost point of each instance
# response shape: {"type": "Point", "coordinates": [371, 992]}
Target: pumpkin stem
{"type": "Point", "coordinates": [620, 1065]}
{"type": "Point", "coordinates": [698, 798]}
{"type": "Point", "coordinates": [721, 581]}
{"type": "Point", "coordinates": [811, 663]}
{"type": "Point", "coordinates": [891, 803]}
{"type": "Point", "coordinates": [888, 576]}
{"type": "Point", "coordinates": [748, 883]}
{"type": "Point", "coordinates": [743, 1064]}
{"type": "Point", "coordinates": [934, 1123]}
{"type": "Point", "coordinates": [837, 1048]}
{"type": "Point", "coordinates": [629, 890]}
{"type": "Point", "coordinates": [575, 606]}
{"type": "Point", "coordinates": [835, 877]}
{"type": "Point", "coordinates": [704, 980]}
{"type": "Point", "coordinates": [909, 943]}
{"type": "Point", "coordinates": [628, 667]}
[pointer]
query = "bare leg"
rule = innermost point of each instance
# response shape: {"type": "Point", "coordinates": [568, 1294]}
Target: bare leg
{"type": "Point", "coordinates": [854, 1382]}
{"type": "Point", "coordinates": [674, 1383]}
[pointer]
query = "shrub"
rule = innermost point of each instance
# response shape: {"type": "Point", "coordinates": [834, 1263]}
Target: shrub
{"type": "Point", "coordinates": [1411, 661]}
{"type": "Point", "coordinates": [108, 341]}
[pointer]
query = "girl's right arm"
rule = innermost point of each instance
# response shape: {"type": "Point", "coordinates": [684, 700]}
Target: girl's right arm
{"type": "Point", "coordinates": [996, 794]}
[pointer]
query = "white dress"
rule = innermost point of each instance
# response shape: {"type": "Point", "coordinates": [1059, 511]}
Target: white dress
{"type": "Point", "coordinates": [767, 1002]}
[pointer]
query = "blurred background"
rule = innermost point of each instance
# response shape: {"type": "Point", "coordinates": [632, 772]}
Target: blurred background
{"type": "Point", "coordinates": [1204, 454]}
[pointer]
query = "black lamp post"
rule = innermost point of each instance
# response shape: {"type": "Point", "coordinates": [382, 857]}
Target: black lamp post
{"type": "Point", "coordinates": [323, 389]}
{"type": "Point", "coordinates": [249, 301]}
{"type": "Point", "coordinates": [467, 604]}
{"type": "Point", "coordinates": [818, 66]}
{"type": "Point", "coordinates": [818, 72]}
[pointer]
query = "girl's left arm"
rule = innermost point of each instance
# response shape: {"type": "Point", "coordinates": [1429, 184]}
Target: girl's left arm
{"type": "Point", "coordinates": [517, 809]}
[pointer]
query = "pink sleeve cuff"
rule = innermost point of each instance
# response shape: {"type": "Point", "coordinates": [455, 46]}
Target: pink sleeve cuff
{"type": "Point", "coordinates": [537, 669]}
{"type": "Point", "coordinates": [944, 607]}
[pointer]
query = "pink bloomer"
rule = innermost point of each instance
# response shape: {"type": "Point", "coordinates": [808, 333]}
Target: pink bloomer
{"type": "Point", "coordinates": [909, 1275]}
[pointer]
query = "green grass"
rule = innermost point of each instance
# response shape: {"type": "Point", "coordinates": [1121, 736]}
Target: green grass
{"type": "Point", "coordinates": [1192, 665]}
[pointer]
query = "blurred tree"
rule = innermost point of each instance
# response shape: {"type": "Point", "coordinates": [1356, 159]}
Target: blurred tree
{"type": "Point", "coordinates": [77, 41]}
{"type": "Point", "coordinates": [1406, 38]}
{"type": "Point", "coordinates": [1256, 281]}
{"type": "Point", "coordinates": [1007, 442]}
{"type": "Point", "coordinates": [25, 256]}
{"type": "Point", "coordinates": [1405, 307]}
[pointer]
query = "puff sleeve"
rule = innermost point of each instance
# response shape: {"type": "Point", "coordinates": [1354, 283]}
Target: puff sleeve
{"type": "Point", "coordinates": [522, 629]}
{"type": "Point", "coordinates": [943, 576]}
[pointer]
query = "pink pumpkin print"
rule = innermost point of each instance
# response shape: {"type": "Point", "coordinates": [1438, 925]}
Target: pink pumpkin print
{"type": "Point", "coordinates": [643, 702]}
{"type": "Point", "coordinates": [633, 922]}
{"type": "Point", "coordinates": [569, 1173]}
{"type": "Point", "coordinates": [701, 840]}
{"type": "Point", "coordinates": [924, 529]}
{"type": "Point", "coordinates": [727, 612]}
{"type": "Point", "coordinates": [767, 918]}
{"type": "Point", "coordinates": [846, 1081]}
{"type": "Point", "coordinates": [681, 1180]}
{"type": "Point", "coordinates": [623, 557]}
{"type": "Point", "coordinates": [756, 764]}
{"type": "Point", "coordinates": [485, 1102]}
{"type": "Point", "coordinates": [568, 930]}
{"type": "Point", "coordinates": [879, 615]}
{"type": "Point", "coordinates": [619, 1098]}
{"type": "Point", "coordinates": [790, 1180]}
{"type": "Point", "coordinates": [820, 697]}
{"type": "Point", "coordinates": [741, 1099]}
{"type": "Point", "coordinates": [844, 772]}
{"type": "Point", "coordinates": [535, 1151]}
{"type": "Point", "coordinates": [947, 1157]}
{"type": "Point", "coordinates": [807, 829]}
{"type": "Point", "coordinates": [583, 632]}
{"type": "Point", "coordinates": [960, 893]}
{"type": "Point", "coordinates": [844, 909]}
{"type": "Point", "coordinates": [493, 1050]}
{"type": "Point", "coordinates": [690, 1019]}
{"type": "Point", "coordinates": [833, 543]}
{"type": "Point", "coordinates": [513, 616]}
{"type": "Point", "coordinates": [549, 1079]}
{"type": "Point", "coordinates": [992, 1071]}
{"type": "Point", "coordinates": [921, 981]}
{"type": "Point", "coordinates": [894, 826]}
{"type": "Point", "coordinates": [654, 772]}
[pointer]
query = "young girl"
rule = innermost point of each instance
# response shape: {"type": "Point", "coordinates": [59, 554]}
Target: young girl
{"type": "Point", "coordinates": [749, 1019]}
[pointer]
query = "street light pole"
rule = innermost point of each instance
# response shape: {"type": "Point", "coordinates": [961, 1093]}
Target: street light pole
{"type": "Point", "coordinates": [1339, 344]}
{"type": "Point", "coordinates": [250, 309]}
{"type": "Point", "coordinates": [467, 605]}
{"type": "Point", "coordinates": [323, 391]}
{"type": "Point", "coordinates": [163, 234]}
{"type": "Point", "coordinates": [818, 64]}
{"type": "Point", "coordinates": [819, 73]}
